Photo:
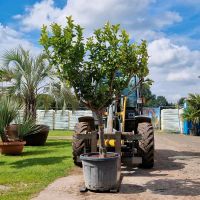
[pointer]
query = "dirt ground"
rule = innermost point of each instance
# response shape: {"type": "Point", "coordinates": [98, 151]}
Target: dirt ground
{"type": "Point", "coordinates": [176, 175]}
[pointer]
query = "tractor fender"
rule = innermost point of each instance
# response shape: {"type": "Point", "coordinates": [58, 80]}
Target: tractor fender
{"type": "Point", "coordinates": [142, 118]}
{"type": "Point", "coordinates": [89, 120]}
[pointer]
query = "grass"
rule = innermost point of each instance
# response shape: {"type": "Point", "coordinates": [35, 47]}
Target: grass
{"type": "Point", "coordinates": [60, 133]}
{"type": "Point", "coordinates": [31, 172]}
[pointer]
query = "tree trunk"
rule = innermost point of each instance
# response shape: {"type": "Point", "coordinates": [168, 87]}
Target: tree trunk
{"type": "Point", "coordinates": [102, 149]}
{"type": "Point", "coordinates": [194, 129]}
{"type": "Point", "coordinates": [4, 137]}
{"type": "Point", "coordinates": [30, 107]}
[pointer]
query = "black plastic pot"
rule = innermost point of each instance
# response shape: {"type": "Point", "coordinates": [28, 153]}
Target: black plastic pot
{"type": "Point", "coordinates": [101, 174]}
{"type": "Point", "coordinates": [37, 139]}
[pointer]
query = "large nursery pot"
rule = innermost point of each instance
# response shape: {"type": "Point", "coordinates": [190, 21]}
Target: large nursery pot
{"type": "Point", "coordinates": [101, 174]}
{"type": "Point", "coordinates": [12, 148]}
{"type": "Point", "coordinates": [37, 139]}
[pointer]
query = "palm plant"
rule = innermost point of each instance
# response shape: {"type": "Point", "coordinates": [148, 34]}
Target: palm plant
{"type": "Point", "coordinates": [28, 75]}
{"type": "Point", "coordinates": [8, 112]}
{"type": "Point", "coordinates": [4, 75]}
{"type": "Point", "coordinates": [63, 95]}
{"type": "Point", "coordinates": [192, 112]}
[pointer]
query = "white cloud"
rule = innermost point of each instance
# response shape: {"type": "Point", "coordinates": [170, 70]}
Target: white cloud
{"type": "Point", "coordinates": [174, 69]}
{"type": "Point", "coordinates": [167, 18]}
{"type": "Point", "coordinates": [9, 38]}
{"type": "Point", "coordinates": [178, 76]}
{"type": "Point", "coordinates": [162, 52]}
{"type": "Point", "coordinates": [186, 40]}
{"type": "Point", "coordinates": [17, 16]}
{"type": "Point", "coordinates": [40, 13]}
{"type": "Point", "coordinates": [131, 14]}
{"type": "Point", "coordinates": [86, 12]}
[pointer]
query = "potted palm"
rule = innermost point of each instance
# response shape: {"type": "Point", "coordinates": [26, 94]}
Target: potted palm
{"type": "Point", "coordinates": [12, 135]}
{"type": "Point", "coordinates": [8, 112]}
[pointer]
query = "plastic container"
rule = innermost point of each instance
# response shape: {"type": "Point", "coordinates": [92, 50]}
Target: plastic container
{"type": "Point", "coordinates": [101, 174]}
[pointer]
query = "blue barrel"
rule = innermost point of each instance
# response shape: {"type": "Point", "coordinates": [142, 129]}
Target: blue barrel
{"type": "Point", "coordinates": [187, 125]}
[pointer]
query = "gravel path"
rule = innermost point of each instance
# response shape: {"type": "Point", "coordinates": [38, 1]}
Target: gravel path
{"type": "Point", "coordinates": [176, 175]}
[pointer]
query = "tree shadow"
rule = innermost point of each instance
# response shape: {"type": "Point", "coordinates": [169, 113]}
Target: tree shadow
{"type": "Point", "coordinates": [38, 161]}
{"type": "Point", "coordinates": [131, 189]}
{"type": "Point", "coordinates": [140, 172]}
{"type": "Point", "coordinates": [27, 153]}
{"type": "Point", "coordinates": [58, 143]}
{"type": "Point", "coordinates": [2, 162]}
{"type": "Point", "coordinates": [164, 160]}
{"type": "Point", "coordinates": [178, 187]}
{"type": "Point", "coordinates": [173, 160]}
{"type": "Point", "coordinates": [38, 150]}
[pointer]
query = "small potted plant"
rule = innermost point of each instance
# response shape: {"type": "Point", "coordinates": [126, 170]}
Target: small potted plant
{"type": "Point", "coordinates": [12, 135]}
{"type": "Point", "coordinates": [8, 112]}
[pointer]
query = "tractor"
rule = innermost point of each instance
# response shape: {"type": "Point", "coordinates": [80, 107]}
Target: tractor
{"type": "Point", "coordinates": [127, 131]}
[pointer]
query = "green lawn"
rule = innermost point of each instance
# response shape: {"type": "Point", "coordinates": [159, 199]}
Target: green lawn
{"type": "Point", "coordinates": [29, 173]}
{"type": "Point", "coordinates": [60, 133]}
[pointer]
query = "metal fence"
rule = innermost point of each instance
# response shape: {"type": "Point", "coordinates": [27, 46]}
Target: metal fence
{"type": "Point", "coordinates": [171, 120]}
{"type": "Point", "coordinates": [165, 119]}
{"type": "Point", "coordinates": [60, 119]}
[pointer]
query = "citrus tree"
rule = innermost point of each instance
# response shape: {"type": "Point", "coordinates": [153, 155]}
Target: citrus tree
{"type": "Point", "coordinates": [99, 67]}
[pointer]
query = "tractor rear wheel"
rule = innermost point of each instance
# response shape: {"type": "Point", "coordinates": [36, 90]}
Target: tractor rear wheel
{"type": "Point", "coordinates": [146, 144]}
{"type": "Point", "coordinates": [78, 144]}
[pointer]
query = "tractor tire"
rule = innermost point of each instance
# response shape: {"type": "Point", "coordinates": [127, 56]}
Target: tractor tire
{"type": "Point", "coordinates": [78, 144]}
{"type": "Point", "coordinates": [146, 144]}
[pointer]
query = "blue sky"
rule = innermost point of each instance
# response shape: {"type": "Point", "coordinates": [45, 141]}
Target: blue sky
{"type": "Point", "coordinates": [171, 28]}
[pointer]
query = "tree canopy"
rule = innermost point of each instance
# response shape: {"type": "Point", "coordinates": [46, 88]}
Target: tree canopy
{"type": "Point", "coordinates": [99, 67]}
{"type": "Point", "coordinates": [181, 101]}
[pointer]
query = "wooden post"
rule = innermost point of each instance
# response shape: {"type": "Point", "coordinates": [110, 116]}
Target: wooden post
{"type": "Point", "coordinates": [68, 120]}
{"type": "Point", "coordinates": [118, 142]}
{"type": "Point", "coordinates": [94, 141]}
{"type": "Point", "coordinates": [53, 120]}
